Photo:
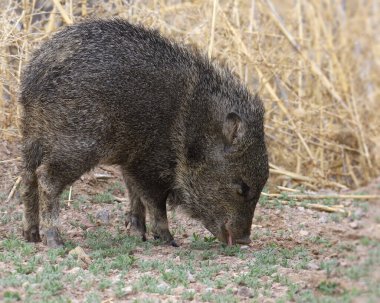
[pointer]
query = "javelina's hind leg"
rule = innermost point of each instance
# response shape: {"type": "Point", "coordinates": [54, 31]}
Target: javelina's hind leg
{"type": "Point", "coordinates": [52, 179]}
{"type": "Point", "coordinates": [49, 187]}
{"type": "Point", "coordinates": [29, 195]}
{"type": "Point", "coordinates": [135, 217]}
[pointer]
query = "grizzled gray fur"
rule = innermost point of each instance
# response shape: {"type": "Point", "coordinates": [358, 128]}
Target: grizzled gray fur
{"type": "Point", "coordinates": [114, 93]}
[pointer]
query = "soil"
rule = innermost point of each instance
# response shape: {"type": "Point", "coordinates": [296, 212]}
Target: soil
{"type": "Point", "coordinates": [336, 246]}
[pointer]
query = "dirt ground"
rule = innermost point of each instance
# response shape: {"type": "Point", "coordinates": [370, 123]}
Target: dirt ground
{"type": "Point", "coordinates": [297, 254]}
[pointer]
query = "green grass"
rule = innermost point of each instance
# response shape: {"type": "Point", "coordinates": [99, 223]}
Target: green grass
{"type": "Point", "coordinates": [35, 275]}
{"type": "Point", "coordinates": [105, 197]}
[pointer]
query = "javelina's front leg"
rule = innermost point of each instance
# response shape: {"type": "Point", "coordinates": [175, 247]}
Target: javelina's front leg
{"type": "Point", "coordinates": [159, 219]}
{"type": "Point", "coordinates": [135, 217]}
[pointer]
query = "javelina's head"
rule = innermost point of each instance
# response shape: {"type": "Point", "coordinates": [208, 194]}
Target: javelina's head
{"type": "Point", "coordinates": [226, 166]}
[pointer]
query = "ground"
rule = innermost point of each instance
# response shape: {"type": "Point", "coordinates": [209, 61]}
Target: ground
{"type": "Point", "coordinates": [297, 254]}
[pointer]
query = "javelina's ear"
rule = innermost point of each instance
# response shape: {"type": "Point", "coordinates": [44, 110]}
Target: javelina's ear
{"type": "Point", "coordinates": [233, 129]}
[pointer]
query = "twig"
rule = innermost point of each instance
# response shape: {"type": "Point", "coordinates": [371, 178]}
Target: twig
{"type": "Point", "coordinates": [338, 196]}
{"type": "Point", "coordinates": [63, 13]}
{"type": "Point", "coordinates": [211, 45]}
{"type": "Point", "coordinates": [268, 87]}
{"type": "Point", "coordinates": [314, 67]}
{"type": "Point", "coordinates": [10, 160]}
{"type": "Point", "coordinates": [11, 193]}
{"type": "Point", "coordinates": [120, 199]}
{"type": "Point", "coordinates": [288, 189]}
{"type": "Point", "coordinates": [277, 170]}
{"type": "Point", "coordinates": [319, 207]}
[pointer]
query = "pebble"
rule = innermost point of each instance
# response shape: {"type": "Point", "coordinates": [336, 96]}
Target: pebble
{"type": "Point", "coordinates": [354, 225]}
{"type": "Point", "coordinates": [74, 270]}
{"type": "Point", "coordinates": [191, 278]}
{"type": "Point", "coordinates": [303, 233]}
{"type": "Point", "coordinates": [323, 219]}
{"type": "Point", "coordinates": [359, 213]}
{"type": "Point", "coordinates": [103, 217]}
{"type": "Point", "coordinates": [245, 292]}
{"type": "Point", "coordinates": [312, 266]}
{"type": "Point", "coordinates": [163, 285]}
{"type": "Point", "coordinates": [347, 203]}
{"type": "Point", "coordinates": [128, 290]}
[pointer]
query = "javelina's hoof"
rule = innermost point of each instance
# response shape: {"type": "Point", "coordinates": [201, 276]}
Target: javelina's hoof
{"type": "Point", "coordinates": [166, 237]}
{"type": "Point", "coordinates": [32, 234]}
{"type": "Point", "coordinates": [173, 243]}
{"type": "Point", "coordinates": [136, 227]}
{"type": "Point", "coordinates": [52, 238]}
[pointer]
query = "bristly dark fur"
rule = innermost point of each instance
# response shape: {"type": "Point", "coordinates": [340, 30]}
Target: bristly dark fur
{"type": "Point", "coordinates": [111, 92]}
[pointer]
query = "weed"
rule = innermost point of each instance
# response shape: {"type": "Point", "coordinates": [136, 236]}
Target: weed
{"type": "Point", "coordinates": [334, 217]}
{"type": "Point", "coordinates": [328, 287]}
{"type": "Point", "coordinates": [150, 284]}
{"type": "Point", "coordinates": [197, 242]}
{"type": "Point", "coordinates": [105, 197]}
{"type": "Point", "coordinates": [329, 266]}
{"type": "Point", "coordinates": [93, 297]}
{"type": "Point", "coordinates": [320, 240]}
{"type": "Point", "coordinates": [10, 296]}
{"type": "Point", "coordinates": [188, 295]}
{"type": "Point", "coordinates": [234, 250]}
{"type": "Point", "coordinates": [116, 188]}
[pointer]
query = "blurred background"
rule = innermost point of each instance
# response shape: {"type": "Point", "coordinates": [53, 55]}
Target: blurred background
{"type": "Point", "coordinates": [316, 65]}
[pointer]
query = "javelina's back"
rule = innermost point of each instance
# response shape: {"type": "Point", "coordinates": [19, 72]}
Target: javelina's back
{"type": "Point", "coordinates": [105, 81]}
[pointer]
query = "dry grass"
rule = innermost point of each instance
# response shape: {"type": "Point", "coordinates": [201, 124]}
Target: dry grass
{"type": "Point", "coordinates": [315, 64]}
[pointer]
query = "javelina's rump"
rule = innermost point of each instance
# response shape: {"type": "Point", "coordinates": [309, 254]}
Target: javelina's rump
{"type": "Point", "coordinates": [111, 92]}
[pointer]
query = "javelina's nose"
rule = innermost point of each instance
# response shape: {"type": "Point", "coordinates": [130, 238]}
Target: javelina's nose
{"type": "Point", "coordinates": [244, 240]}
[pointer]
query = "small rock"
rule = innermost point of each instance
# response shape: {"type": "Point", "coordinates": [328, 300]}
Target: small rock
{"type": "Point", "coordinates": [301, 208]}
{"type": "Point", "coordinates": [323, 219]}
{"type": "Point", "coordinates": [245, 292]}
{"type": "Point", "coordinates": [303, 233]}
{"type": "Point", "coordinates": [344, 263]}
{"type": "Point", "coordinates": [163, 285]}
{"type": "Point", "coordinates": [354, 225]}
{"type": "Point", "coordinates": [209, 289]}
{"type": "Point", "coordinates": [244, 247]}
{"type": "Point", "coordinates": [347, 203]}
{"type": "Point", "coordinates": [359, 213]}
{"type": "Point", "coordinates": [190, 278]}
{"type": "Point", "coordinates": [312, 266]}
{"type": "Point", "coordinates": [103, 217]}
{"type": "Point", "coordinates": [128, 290]}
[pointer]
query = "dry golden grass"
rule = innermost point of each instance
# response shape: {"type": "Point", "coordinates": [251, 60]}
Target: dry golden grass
{"type": "Point", "coordinates": [315, 64]}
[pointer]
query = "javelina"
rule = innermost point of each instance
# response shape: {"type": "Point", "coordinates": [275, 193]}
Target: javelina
{"type": "Point", "coordinates": [115, 93]}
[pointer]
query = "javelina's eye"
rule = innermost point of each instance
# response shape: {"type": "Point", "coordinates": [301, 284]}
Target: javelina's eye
{"type": "Point", "coordinates": [244, 189]}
